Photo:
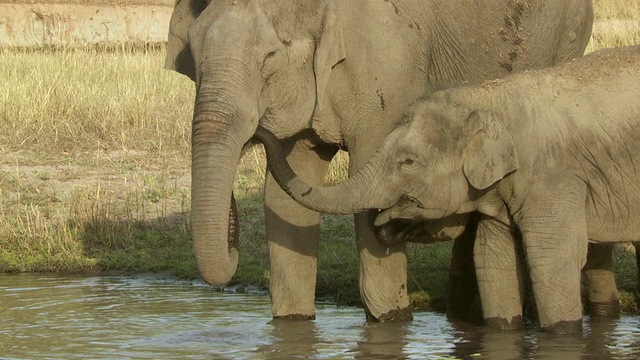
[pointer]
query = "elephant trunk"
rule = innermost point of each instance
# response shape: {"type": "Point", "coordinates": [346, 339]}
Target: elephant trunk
{"type": "Point", "coordinates": [219, 132]}
{"type": "Point", "coordinates": [361, 192]}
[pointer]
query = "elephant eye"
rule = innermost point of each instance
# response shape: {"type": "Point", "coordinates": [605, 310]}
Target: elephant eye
{"type": "Point", "coordinates": [407, 162]}
{"type": "Point", "coordinates": [270, 54]}
{"type": "Point", "coordinates": [271, 63]}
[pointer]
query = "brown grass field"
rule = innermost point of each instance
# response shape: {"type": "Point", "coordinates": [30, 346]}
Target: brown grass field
{"type": "Point", "coordinates": [94, 170]}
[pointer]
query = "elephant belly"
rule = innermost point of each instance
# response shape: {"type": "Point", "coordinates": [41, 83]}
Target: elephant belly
{"type": "Point", "coordinates": [610, 224]}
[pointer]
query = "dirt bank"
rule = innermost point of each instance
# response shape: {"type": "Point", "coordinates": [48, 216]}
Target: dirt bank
{"type": "Point", "coordinates": [36, 25]}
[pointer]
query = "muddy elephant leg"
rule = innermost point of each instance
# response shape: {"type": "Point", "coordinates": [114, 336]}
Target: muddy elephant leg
{"type": "Point", "coordinates": [602, 293]}
{"type": "Point", "coordinates": [462, 289]}
{"type": "Point", "coordinates": [500, 275]}
{"type": "Point", "coordinates": [383, 274]}
{"type": "Point", "coordinates": [293, 234]}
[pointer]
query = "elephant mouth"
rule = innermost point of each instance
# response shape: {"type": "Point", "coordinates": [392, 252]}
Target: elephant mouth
{"type": "Point", "coordinates": [400, 223]}
{"type": "Point", "coordinates": [398, 231]}
{"type": "Point", "coordinates": [409, 221]}
{"type": "Point", "coordinates": [407, 208]}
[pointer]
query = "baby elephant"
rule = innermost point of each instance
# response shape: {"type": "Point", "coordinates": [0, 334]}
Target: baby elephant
{"type": "Point", "coordinates": [553, 154]}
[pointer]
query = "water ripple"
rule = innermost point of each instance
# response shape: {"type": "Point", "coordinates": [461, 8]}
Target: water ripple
{"type": "Point", "coordinates": [68, 317]}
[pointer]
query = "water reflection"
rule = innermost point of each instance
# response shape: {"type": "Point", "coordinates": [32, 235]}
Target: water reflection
{"type": "Point", "coordinates": [383, 341]}
{"type": "Point", "coordinates": [62, 317]}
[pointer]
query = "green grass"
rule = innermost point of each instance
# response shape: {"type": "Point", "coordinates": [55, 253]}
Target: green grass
{"type": "Point", "coordinates": [94, 172]}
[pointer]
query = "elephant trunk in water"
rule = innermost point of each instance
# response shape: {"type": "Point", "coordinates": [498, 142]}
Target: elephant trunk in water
{"type": "Point", "coordinates": [359, 193]}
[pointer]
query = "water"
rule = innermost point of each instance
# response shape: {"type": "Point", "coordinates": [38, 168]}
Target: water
{"type": "Point", "coordinates": [67, 317]}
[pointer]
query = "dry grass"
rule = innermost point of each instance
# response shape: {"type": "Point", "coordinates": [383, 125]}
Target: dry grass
{"type": "Point", "coordinates": [87, 100]}
{"type": "Point", "coordinates": [616, 9]}
{"type": "Point", "coordinates": [95, 148]}
{"type": "Point", "coordinates": [94, 166]}
{"type": "Point", "coordinates": [617, 23]}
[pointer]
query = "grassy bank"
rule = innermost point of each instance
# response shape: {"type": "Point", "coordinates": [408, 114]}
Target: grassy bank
{"type": "Point", "coordinates": [94, 172]}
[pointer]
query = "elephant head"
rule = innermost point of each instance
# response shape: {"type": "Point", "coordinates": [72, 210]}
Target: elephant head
{"type": "Point", "coordinates": [253, 62]}
{"type": "Point", "coordinates": [435, 164]}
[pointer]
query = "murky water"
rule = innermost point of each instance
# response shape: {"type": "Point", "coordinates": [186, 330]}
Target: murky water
{"type": "Point", "coordinates": [66, 317]}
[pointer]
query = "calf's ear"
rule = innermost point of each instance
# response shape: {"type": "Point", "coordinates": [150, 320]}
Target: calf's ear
{"type": "Point", "coordinates": [491, 153]}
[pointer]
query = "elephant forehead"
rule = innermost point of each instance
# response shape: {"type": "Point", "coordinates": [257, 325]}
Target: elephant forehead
{"type": "Point", "coordinates": [410, 139]}
{"type": "Point", "coordinates": [443, 129]}
{"type": "Point", "coordinates": [292, 16]}
{"type": "Point", "coordinates": [428, 138]}
{"type": "Point", "coordinates": [224, 20]}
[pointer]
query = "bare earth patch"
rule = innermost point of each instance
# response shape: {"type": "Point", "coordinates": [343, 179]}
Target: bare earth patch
{"type": "Point", "coordinates": [96, 2]}
{"type": "Point", "coordinates": [68, 24]}
{"type": "Point", "coordinates": [124, 181]}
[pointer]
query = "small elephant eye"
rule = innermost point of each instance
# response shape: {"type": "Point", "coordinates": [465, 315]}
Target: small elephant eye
{"type": "Point", "coordinates": [407, 161]}
{"type": "Point", "coordinates": [270, 54]}
{"type": "Point", "coordinates": [271, 63]}
{"type": "Point", "coordinates": [270, 57]}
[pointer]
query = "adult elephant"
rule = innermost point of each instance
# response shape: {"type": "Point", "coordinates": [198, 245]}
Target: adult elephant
{"type": "Point", "coordinates": [324, 75]}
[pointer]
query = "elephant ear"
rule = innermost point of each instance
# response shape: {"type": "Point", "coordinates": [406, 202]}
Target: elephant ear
{"type": "Point", "coordinates": [179, 57]}
{"type": "Point", "coordinates": [329, 50]}
{"type": "Point", "coordinates": [491, 153]}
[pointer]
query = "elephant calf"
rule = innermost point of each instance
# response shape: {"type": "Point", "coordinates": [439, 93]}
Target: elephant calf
{"type": "Point", "coordinates": [552, 154]}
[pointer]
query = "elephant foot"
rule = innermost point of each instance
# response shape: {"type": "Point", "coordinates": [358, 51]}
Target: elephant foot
{"type": "Point", "coordinates": [564, 327]}
{"type": "Point", "coordinates": [396, 315]}
{"type": "Point", "coordinates": [503, 324]}
{"type": "Point", "coordinates": [607, 310]}
{"type": "Point", "coordinates": [295, 317]}
{"type": "Point", "coordinates": [602, 293]}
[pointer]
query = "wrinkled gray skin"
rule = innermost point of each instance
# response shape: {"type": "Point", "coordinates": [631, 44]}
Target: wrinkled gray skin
{"type": "Point", "coordinates": [550, 154]}
{"type": "Point", "coordinates": [297, 68]}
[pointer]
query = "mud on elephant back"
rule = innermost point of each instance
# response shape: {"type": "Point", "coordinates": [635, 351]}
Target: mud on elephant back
{"type": "Point", "coordinates": [547, 155]}
{"type": "Point", "coordinates": [321, 76]}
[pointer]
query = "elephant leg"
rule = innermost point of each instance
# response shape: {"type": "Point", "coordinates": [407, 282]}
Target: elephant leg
{"type": "Point", "coordinates": [293, 233]}
{"type": "Point", "coordinates": [602, 293]}
{"type": "Point", "coordinates": [555, 244]}
{"type": "Point", "coordinates": [499, 272]}
{"type": "Point", "coordinates": [383, 274]}
{"type": "Point", "coordinates": [462, 289]}
{"type": "Point", "coordinates": [383, 269]}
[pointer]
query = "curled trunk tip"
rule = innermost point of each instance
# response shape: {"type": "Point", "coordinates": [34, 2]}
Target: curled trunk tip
{"type": "Point", "coordinates": [346, 198]}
